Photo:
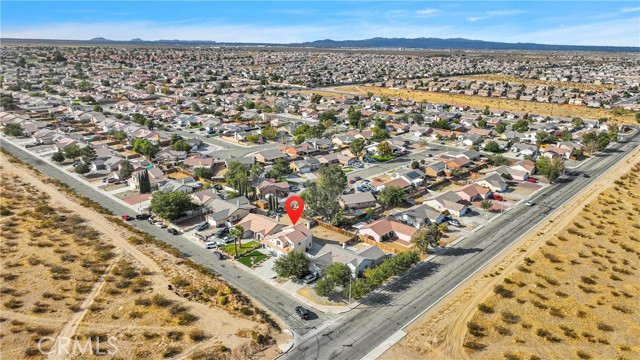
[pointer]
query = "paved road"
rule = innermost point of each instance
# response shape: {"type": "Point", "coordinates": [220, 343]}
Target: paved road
{"type": "Point", "coordinates": [384, 312]}
{"type": "Point", "coordinates": [278, 302]}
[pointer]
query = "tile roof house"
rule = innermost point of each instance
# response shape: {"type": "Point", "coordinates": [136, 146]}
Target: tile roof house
{"type": "Point", "coordinates": [358, 261]}
{"type": "Point", "coordinates": [288, 239]}
{"type": "Point", "coordinates": [387, 228]}
{"type": "Point", "coordinates": [358, 200]}
{"type": "Point", "coordinates": [155, 177]}
{"type": "Point", "coordinates": [220, 211]}
{"type": "Point", "coordinates": [449, 202]}
{"type": "Point", "coordinates": [258, 226]}
{"type": "Point", "coordinates": [203, 196]}
{"type": "Point", "coordinates": [474, 192]}
{"type": "Point", "coordinates": [269, 156]}
{"type": "Point", "coordinates": [420, 216]}
{"type": "Point", "coordinates": [271, 187]}
{"type": "Point", "coordinates": [493, 181]}
{"type": "Point", "coordinates": [199, 162]}
{"type": "Point", "coordinates": [510, 171]}
{"type": "Point", "coordinates": [525, 165]}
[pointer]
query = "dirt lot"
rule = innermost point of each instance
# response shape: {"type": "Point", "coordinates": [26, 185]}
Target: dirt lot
{"type": "Point", "coordinates": [567, 291]}
{"type": "Point", "coordinates": [95, 278]}
{"type": "Point", "coordinates": [501, 104]}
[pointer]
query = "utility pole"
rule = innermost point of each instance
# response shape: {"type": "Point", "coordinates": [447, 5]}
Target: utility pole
{"type": "Point", "coordinates": [349, 291]}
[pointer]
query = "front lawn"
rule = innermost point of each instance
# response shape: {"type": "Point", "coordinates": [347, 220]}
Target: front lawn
{"type": "Point", "coordinates": [252, 259]}
{"type": "Point", "coordinates": [246, 247]}
{"type": "Point", "coordinates": [384, 158]}
{"type": "Point", "coordinates": [346, 171]}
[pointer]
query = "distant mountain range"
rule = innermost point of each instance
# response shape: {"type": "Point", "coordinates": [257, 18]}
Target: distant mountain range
{"type": "Point", "coordinates": [374, 43]}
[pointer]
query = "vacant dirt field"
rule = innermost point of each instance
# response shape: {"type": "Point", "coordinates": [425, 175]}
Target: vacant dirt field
{"type": "Point", "coordinates": [85, 276]}
{"type": "Point", "coordinates": [557, 84]}
{"type": "Point", "coordinates": [495, 104]}
{"type": "Point", "coordinates": [568, 291]}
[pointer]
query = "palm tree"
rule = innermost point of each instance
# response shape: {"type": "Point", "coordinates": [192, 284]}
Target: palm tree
{"type": "Point", "coordinates": [237, 233]}
{"type": "Point", "coordinates": [486, 204]}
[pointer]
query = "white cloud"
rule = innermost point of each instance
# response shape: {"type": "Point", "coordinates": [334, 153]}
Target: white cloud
{"type": "Point", "coordinates": [475, 18]}
{"type": "Point", "coordinates": [629, 9]}
{"type": "Point", "coordinates": [505, 12]}
{"type": "Point", "coordinates": [426, 12]}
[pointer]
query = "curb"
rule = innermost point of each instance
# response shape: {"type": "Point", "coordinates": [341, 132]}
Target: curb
{"type": "Point", "coordinates": [293, 336]}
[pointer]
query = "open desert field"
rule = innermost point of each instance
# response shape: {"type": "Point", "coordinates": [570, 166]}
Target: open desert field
{"type": "Point", "coordinates": [570, 290]}
{"type": "Point", "coordinates": [71, 272]}
{"type": "Point", "coordinates": [557, 84]}
{"type": "Point", "coordinates": [498, 104]}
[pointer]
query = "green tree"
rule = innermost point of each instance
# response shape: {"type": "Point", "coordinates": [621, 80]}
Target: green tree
{"type": "Point", "coordinates": [252, 138]}
{"type": "Point", "coordinates": [181, 145]}
{"type": "Point", "coordinates": [380, 134]}
{"type": "Point", "coordinates": [336, 274]}
{"type": "Point", "coordinates": [280, 168]}
{"type": "Point", "coordinates": [98, 108]}
{"type": "Point", "coordinates": [13, 130]}
{"type": "Point", "coordinates": [392, 196]}
{"type": "Point", "coordinates": [486, 204]}
{"type": "Point", "coordinates": [354, 116]}
{"type": "Point", "coordinates": [520, 126]}
{"type": "Point", "coordinates": [501, 127]}
{"type": "Point", "coordinates": [329, 115]}
{"type": "Point", "coordinates": [481, 123]}
{"type": "Point", "coordinates": [145, 147]}
{"type": "Point", "coordinates": [550, 168]}
{"type": "Point", "coordinates": [256, 171]}
{"type": "Point", "coordinates": [492, 146]}
{"type": "Point", "coordinates": [88, 154]}
{"type": "Point", "coordinates": [236, 234]}
{"type": "Point", "coordinates": [170, 205]}
{"type": "Point", "coordinates": [204, 172]}
{"type": "Point", "coordinates": [84, 85]}
{"type": "Point", "coordinates": [299, 139]}
{"type": "Point", "coordinates": [293, 264]}
{"type": "Point", "coordinates": [125, 171]}
{"type": "Point", "coordinates": [320, 197]}
{"type": "Point", "coordinates": [138, 118]}
{"type": "Point", "coordinates": [315, 98]}
{"type": "Point", "coordinates": [426, 237]}
{"type": "Point", "coordinates": [144, 182]}
{"type": "Point", "coordinates": [236, 175]}
{"type": "Point", "coordinates": [58, 157]}
{"type": "Point", "coordinates": [269, 133]}
{"type": "Point", "coordinates": [149, 123]}
{"type": "Point", "coordinates": [357, 146]}
{"type": "Point", "coordinates": [119, 135]}
{"type": "Point", "coordinates": [498, 160]}
{"type": "Point", "coordinates": [638, 117]}
{"type": "Point", "coordinates": [81, 168]}
{"type": "Point", "coordinates": [577, 123]}
{"type": "Point", "coordinates": [385, 149]}
{"type": "Point", "coordinates": [415, 164]}
{"type": "Point", "coordinates": [72, 151]}
{"type": "Point", "coordinates": [541, 137]}
{"type": "Point", "coordinates": [7, 102]}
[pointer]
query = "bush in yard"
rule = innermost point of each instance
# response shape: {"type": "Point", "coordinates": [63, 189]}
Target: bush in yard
{"type": "Point", "coordinates": [170, 205]}
{"type": "Point", "coordinates": [294, 264]}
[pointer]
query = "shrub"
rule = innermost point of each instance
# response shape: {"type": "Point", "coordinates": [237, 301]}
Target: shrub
{"type": "Point", "coordinates": [161, 301]}
{"type": "Point", "coordinates": [604, 327]}
{"type": "Point", "coordinates": [175, 335]}
{"type": "Point", "coordinates": [198, 335]}
{"type": "Point", "coordinates": [485, 308]}
{"type": "Point", "coordinates": [503, 291]}
{"type": "Point", "coordinates": [583, 355]}
{"type": "Point", "coordinates": [510, 318]}
{"type": "Point", "coordinates": [186, 318]}
{"type": "Point", "coordinates": [473, 345]}
{"type": "Point", "coordinates": [171, 352]}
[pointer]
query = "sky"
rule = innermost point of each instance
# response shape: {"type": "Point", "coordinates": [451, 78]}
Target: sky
{"type": "Point", "coordinates": [611, 23]}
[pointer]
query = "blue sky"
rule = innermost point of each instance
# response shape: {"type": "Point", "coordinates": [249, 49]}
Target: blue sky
{"type": "Point", "coordinates": [547, 22]}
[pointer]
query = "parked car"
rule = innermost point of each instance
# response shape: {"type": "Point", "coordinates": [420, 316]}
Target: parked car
{"type": "Point", "coordinates": [143, 216]}
{"type": "Point", "coordinates": [497, 197]}
{"type": "Point", "coordinates": [294, 188]}
{"type": "Point", "coordinates": [203, 226]}
{"type": "Point", "coordinates": [532, 180]}
{"type": "Point", "coordinates": [227, 240]}
{"type": "Point", "coordinates": [302, 312]}
{"type": "Point", "coordinates": [310, 278]}
{"type": "Point", "coordinates": [280, 211]}
{"type": "Point", "coordinates": [160, 224]}
{"type": "Point", "coordinates": [529, 203]}
{"type": "Point", "coordinates": [222, 232]}
{"type": "Point", "coordinates": [126, 217]}
{"type": "Point", "coordinates": [352, 181]}
{"type": "Point", "coordinates": [586, 175]}
{"type": "Point", "coordinates": [211, 245]}
{"type": "Point", "coordinates": [219, 255]}
{"type": "Point", "coordinates": [453, 222]}
{"type": "Point", "coordinates": [173, 231]}
{"type": "Point", "coordinates": [357, 178]}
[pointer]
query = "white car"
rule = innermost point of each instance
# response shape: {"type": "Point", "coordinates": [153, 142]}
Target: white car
{"type": "Point", "coordinates": [529, 203]}
{"type": "Point", "coordinates": [211, 245]}
{"type": "Point", "coordinates": [160, 224]}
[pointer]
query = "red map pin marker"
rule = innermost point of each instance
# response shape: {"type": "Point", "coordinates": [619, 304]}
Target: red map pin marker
{"type": "Point", "coordinates": [294, 206]}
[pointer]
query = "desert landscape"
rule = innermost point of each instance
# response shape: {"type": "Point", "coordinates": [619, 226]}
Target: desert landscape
{"type": "Point", "coordinates": [71, 272]}
{"type": "Point", "coordinates": [501, 104]}
{"type": "Point", "coordinates": [569, 291]}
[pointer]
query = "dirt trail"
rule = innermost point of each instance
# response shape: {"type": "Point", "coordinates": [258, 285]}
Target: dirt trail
{"type": "Point", "coordinates": [440, 332]}
{"type": "Point", "coordinates": [215, 321]}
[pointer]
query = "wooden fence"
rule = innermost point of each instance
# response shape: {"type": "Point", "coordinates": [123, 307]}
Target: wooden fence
{"type": "Point", "coordinates": [382, 246]}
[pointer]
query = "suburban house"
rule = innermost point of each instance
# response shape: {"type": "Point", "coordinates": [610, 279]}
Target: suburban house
{"type": "Point", "coordinates": [186, 185]}
{"type": "Point", "coordinates": [400, 182]}
{"type": "Point", "coordinates": [305, 166]}
{"type": "Point", "coordinates": [511, 172]}
{"type": "Point", "coordinates": [413, 176]}
{"type": "Point", "coordinates": [291, 238]}
{"type": "Point", "coordinates": [527, 166]}
{"type": "Point", "coordinates": [386, 229]}
{"type": "Point", "coordinates": [220, 212]}
{"type": "Point", "coordinates": [258, 226]}
{"type": "Point", "coordinates": [271, 187]}
{"type": "Point", "coordinates": [358, 200]}
{"type": "Point", "coordinates": [553, 151]}
{"type": "Point", "coordinates": [358, 261]}
{"type": "Point", "coordinates": [448, 202]}
{"type": "Point", "coordinates": [199, 162]}
{"type": "Point", "coordinates": [269, 156]}
{"type": "Point", "coordinates": [202, 196]}
{"type": "Point", "coordinates": [155, 176]}
{"type": "Point", "coordinates": [493, 181]}
{"type": "Point", "coordinates": [524, 149]}
{"type": "Point", "coordinates": [420, 216]}
{"type": "Point", "coordinates": [435, 169]}
{"type": "Point", "coordinates": [473, 192]}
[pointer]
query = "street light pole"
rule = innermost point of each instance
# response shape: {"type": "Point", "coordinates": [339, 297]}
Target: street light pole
{"type": "Point", "coordinates": [349, 292]}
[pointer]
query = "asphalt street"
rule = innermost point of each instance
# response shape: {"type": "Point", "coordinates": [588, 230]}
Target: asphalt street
{"type": "Point", "coordinates": [386, 311]}
{"type": "Point", "coordinates": [278, 302]}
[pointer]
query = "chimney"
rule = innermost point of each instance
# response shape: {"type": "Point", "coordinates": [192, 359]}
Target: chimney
{"type": "Point", "coordinates": [277, 217]}
{"type": "Point", "coordinates": [344, 245]}
{"type": "Point", "coordinates": [308, 225]}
